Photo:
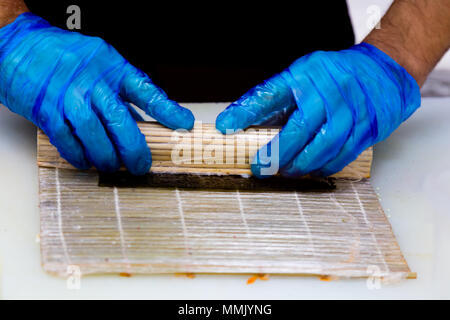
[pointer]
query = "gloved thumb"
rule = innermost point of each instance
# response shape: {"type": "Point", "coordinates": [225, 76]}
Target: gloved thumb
{"type": "Point", "coordinates": [270, 97]}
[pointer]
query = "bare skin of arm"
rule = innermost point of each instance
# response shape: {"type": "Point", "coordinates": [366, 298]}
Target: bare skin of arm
{"type": "Point", "coordinates": [10, 10]}
{"type": "Point", "coordinates": [415, 33]}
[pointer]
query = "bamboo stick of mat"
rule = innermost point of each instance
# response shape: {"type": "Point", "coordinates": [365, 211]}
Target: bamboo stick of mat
{"type": "Point", "coordinates": [203, 150]}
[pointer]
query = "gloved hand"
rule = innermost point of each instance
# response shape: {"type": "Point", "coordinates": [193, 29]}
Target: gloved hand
{"type": "Point", "coordinates": [336, 104]}
{"type": "Point", "coordinates": [76, 89]}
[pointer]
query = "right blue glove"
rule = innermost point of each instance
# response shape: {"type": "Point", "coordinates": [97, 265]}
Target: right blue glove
{"type": "Point", "coordinates": [76, 88]}
{"type": "Point", "coordinates": [337, 104]}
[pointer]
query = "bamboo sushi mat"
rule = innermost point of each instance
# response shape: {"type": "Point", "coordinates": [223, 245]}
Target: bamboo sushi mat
{"type": "Point", "coordinates": [343, 232]}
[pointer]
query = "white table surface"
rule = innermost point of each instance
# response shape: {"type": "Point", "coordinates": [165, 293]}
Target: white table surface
{"type": "Point", "coordinates": [411, 173]}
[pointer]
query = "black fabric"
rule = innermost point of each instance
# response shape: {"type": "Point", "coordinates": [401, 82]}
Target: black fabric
{"type": "Point", "coordinates": [213, 51]}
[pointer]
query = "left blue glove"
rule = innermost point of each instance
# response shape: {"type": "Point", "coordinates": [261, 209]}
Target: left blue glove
{"type": "Point", "coordinates": [337, 104]}
{"type": "Point", "coordinates": [76, 89]}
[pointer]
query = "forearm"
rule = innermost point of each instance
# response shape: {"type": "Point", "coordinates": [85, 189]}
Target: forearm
{"type": "Point", "coordinates": [10, 10]}
{"type": "Point", "coordinates": [415, 33]}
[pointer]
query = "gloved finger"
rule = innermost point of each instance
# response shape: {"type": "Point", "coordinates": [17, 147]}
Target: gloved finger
{"type": "Point", "coordinates": [361, 136]}
{"type": "Point", "coordinates": [324, 147]}
{"type": "Point", "coordinates": [123, 130]}
{"type": "Point", "coordinates": [272, 95]}
{"type": "Point", "coordinates": [48, 114]}
{"type": "Point", "coordinates": [328, 141]}
{"type": "Point", "coordinates": [357, 142]}
{"type": "Point", "coordinates": [61, 137]}
{"type": "Point", "coordinates": [302, 125]}
{"type": "Point", "coordinates": [137, 88]}
{"type": "Point", "coordinates": [97, 146]}
{"type": "Point", "coordinates": [277, 118]}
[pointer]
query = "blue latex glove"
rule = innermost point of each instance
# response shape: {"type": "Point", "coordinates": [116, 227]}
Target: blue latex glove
{"type": "Point", "coordinates": [76, 89]}
{"type": "Point", "coordinates": [336, 105]}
